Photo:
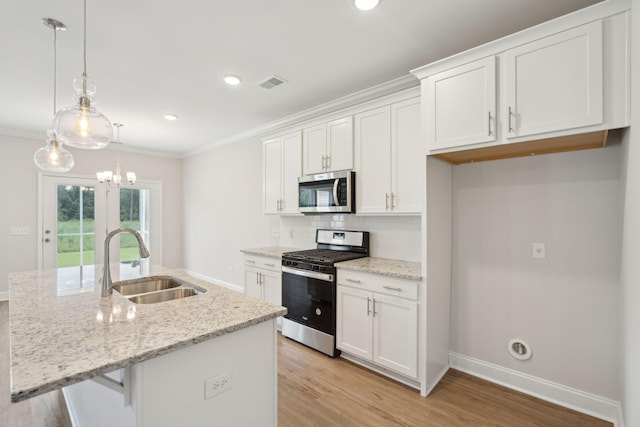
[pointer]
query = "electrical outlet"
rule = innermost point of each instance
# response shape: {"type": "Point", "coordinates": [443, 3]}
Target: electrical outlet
{"type": "Point", "coordinates": [539, 250]}
{"type": "Point", "coordinates": [216, 385]}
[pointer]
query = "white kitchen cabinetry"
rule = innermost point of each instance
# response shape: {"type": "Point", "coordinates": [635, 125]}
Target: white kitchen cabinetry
{"type": "Point", "coordinates": [389, 155]}
{"type": "Point", "coordinates": [546, 90]}
{"type": "Point", "coordinates": [281, 165]}
{"type": "Point", "coordinates": [262, 278]}
{"type": "Point", "coordinates": [555, 83]}
{"type": "Point", "coordinates": [460, 105]}
{"type": "Point", "coordinates": [328, 146]}
{"type": "Point", "coordinates": [377, 320]}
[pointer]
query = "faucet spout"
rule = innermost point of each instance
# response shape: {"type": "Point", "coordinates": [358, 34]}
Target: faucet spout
{"type": "Point", "coordinates": [107, 285]}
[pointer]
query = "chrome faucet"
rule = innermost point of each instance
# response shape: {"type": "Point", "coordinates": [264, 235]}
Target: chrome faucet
{"type": "Point", "coordinates": [107, 285]}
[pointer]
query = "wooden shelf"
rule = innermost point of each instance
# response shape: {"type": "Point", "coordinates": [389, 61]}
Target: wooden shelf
{"type": "Point", "coordinates": [529, 148]}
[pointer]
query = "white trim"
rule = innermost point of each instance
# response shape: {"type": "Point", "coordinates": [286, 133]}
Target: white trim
{"type": "Point", "coordinates": [592, 13]}
{"type": "Point", "coordinates": [70, 411]}
{"type": "Point", "coordinates": [382, 371]}
{"type": "Point", "coordinates": [214, 281]}
{"type": "Point", "coordinates": [405, 82]}
{"type": "Point", "coordinates": [4, 296]}
{"type": "Point", "coordinates": [428, 388]}
{"type": "Point", "coordinates": [559, 394]}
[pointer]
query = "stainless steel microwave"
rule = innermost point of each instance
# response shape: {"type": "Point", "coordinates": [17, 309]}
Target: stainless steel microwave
{"type": "Point", "coordinates": [327, 192]}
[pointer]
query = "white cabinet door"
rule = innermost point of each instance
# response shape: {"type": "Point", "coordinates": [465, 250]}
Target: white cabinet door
{"type": "Point", "coordinates": [353, 321]}
{"type": "Point", "coordinates": [272, 287]}
{"type": "Point", "coordinates": [271, 178]}
{"type": "Point", "coordinates": [252, 285]}
{"type": "Point", "coordinates": [340, 144]}
{"type": "Point", "coordinates": [555, 83]}
{"type": "Point", "coordinates": [460, 105]}
{"type": "Point", "coordinates": [291, 171]}
{"type": "Point", "coordinates": [314, 149]}
{"type": "Point", "coordinates": [373, 148]}
{"type": "Point", "coordinates": [407, 155]}
{"type": "Point", "coordinates": [395, 334]}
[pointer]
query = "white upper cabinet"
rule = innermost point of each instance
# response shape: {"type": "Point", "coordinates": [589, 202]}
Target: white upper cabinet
{"type": "Point", "coordinates": [328, 146]}
{"type": "Point", "coordinates": [281, 158]}
{"type": "Point", "coordinates": [389, 151]}
{"type": "Point", "coordinates": [460, 105]}
{"type": "Point", "coordinates": [555, 83]}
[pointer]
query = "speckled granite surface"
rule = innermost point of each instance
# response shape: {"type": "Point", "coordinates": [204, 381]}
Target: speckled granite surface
{"type": "Point", "coordinates": [60, 340]}
{"type": "Point", "coordinates": [387, 267]}
{"type": "Point", "coordinates": [271, 251]}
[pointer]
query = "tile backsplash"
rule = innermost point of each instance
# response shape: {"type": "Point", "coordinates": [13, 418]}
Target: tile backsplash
{"type": "Point", "coordinates": [395, 237]}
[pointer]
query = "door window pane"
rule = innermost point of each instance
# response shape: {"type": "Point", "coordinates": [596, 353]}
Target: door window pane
{"type": "Point", "coordinates": [134, 213]}
{"type": "Point", "coordinates": [76, 229]}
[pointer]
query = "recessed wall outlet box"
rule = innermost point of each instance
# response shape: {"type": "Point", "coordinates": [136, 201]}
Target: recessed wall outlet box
{"type": "Point", "coordinates": [216, 385]}
{"type": "Point", "coordinates": [539, 250]}
{"type": "Point", "coordinates": [19, 231]}
{"type": "Point", "coordinates": [519, 349]}
{"type": "Point", "coordinates": [275, 232]}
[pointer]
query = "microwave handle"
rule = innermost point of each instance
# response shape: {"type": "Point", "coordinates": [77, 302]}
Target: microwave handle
{"type": "Point", "coordinates": [336, 201]}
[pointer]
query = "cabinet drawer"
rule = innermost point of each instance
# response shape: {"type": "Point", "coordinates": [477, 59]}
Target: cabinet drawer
{"type": "Point", "coordinates": [379, 284]}
{"type": "Point", "coordinates": [267, 263]}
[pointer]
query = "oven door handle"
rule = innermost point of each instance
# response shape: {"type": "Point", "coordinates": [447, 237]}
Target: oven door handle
{"type": "Point", "coordinates": [311, 274]}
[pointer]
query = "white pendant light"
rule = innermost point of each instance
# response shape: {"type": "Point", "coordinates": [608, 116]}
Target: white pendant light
{"type": "Point", "coordinates": [81, 125]}
{"type": "Point", "coordinates": [114, 179]}
{"type": "Point", "coordinates": [53, 157]}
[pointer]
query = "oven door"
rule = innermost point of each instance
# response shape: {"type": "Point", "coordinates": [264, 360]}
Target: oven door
{"type": "Point", "coordinates": [309, 298]}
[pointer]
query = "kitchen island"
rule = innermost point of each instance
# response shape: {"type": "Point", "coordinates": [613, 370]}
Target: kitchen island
{"type": "Point", "coordinates": [163, 353]}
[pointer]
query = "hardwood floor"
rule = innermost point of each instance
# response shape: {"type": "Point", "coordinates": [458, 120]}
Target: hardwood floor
{"type": "Point", "coordinates": [47, 410]}
{"type": "Point", "coordinates": [315, 390]}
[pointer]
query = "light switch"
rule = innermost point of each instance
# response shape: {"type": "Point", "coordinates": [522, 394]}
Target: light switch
{"type": "Point", "coordinates": [19, 231]}
{"type": "Point", "coordinates": [539, 250]}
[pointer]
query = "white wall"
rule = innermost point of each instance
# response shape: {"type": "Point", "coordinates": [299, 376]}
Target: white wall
{"type": "Point", "coordinates": [565, 307]}
{"type": "Point", "coordinates": [19, 175]}
{"type": "Point", "coordinates": [223, 210]}
{"type": "Point", "coordinates": [630, 270]}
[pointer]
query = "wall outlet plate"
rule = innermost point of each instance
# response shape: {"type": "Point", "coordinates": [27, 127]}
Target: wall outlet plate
{"type": "Point", "coordinates": [216, 385]}
{"type": "Point", "coordinates": [19, 231]}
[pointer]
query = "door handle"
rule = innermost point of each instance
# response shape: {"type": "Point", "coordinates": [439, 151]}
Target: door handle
{"type": "Point", "coordinates": [386, 201]}
{"type": "Point", "coordinates": [511, 130]}
{"type": "Point", "coordinates": [392, 202]}
{"type": "Point", "coordinates": [47, 240]}
{"type": "Point", "coordinates": [368, 306]}
{"type": "Point", "coordinates": [374, 307]}
{"type": "Point", "coordinates": [336, 202]}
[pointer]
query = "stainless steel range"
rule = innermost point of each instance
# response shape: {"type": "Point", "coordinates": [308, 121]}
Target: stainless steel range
{"type": "Point", "coordinates": [309, 287]}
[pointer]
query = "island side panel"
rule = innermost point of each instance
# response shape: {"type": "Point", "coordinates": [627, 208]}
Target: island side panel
{"type": "Point", "coordinates": [170, 389]}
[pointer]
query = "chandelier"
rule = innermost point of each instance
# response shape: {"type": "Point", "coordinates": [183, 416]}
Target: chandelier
{"type": "Point", "coordinates": [114, 178]}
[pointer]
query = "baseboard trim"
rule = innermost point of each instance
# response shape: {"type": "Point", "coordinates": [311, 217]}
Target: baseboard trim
{"type": "Point", "coordinates": [219, 282]}
{"type": "Point", "coordinates": [382, 371]}
{"type": "Point", "coordinates": [4, 296]}
{"type": "Point", "coordinates": [587, 403]}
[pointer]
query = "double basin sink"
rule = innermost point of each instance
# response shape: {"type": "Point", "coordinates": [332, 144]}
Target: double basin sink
{"type": "Point", "coordinates": [154, 289]}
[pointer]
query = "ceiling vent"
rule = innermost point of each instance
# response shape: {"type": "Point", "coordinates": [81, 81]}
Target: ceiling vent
{"type": "Point", "coordinates": [272, 82]}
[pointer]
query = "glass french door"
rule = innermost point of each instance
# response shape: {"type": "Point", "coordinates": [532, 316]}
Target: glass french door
{"type": "Point", "coordinates": [76, 215]}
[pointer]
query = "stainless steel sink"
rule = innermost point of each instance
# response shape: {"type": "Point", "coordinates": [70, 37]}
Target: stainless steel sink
{"type": "Point", "coordinates": [166, 295]}
{"type": "Point", "coordinates": [146, 284]}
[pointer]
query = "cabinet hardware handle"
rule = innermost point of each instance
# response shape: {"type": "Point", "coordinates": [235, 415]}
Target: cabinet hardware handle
{"type": "Point", "coordinates": [258, 279]}
{"type": "Point", "coordinates": [270, 265]}
{"type": "Point", "coordinates": [391, 288]}
{"type": "Point", "coordinates": [324, 162]}
{"type": "Point", "coordinates": [386, 201]}
{"type": "Point", "coordinates": [328, 162]}
{"type": "Point", "coordinates": [392, 201]}
{"type": "Point", "coordinates": [510, 114]}
{"type": "Point", "coordinates": [279, 204]}
{"type": "Point", "coordinates": [250, 261]}
{"type": "Point", "coordinates": [352, 280]}
{"type": "Point", "coordinates": [490, 118]}
{"type": "Point", "coordinates": [374, 308]}
{"type": "Point", "coordinates": [368, 306]}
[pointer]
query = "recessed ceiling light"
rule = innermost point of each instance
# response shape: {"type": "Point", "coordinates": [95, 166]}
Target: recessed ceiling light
{"type": "Point", "coordinates": [366, 4]}
{"type": "Point", "coordinates": [232, 80]}
{"type": "Point", "coordinates": [171, 117]}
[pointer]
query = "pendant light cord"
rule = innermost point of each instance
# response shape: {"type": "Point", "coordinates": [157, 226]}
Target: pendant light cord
{"type": "Point", "coordinates": [55, 68]}
{"type": "Point", "coordinates": [85, 37]}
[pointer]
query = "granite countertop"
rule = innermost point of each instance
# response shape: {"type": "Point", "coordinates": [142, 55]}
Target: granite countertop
{"type": "Point", "coordinates": [386, 267]}
{"type": "Point", "coordinates": [270, 251]}
{"type": "Point", "coordinates": [60, 337]}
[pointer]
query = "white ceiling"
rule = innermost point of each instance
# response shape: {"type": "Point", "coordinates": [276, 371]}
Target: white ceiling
{"type": "Point", "coordinates": [150, 57]}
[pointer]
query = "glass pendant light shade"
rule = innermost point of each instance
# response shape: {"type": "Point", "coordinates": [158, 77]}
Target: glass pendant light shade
{"type": "Point", "coordinates": [81, 125]}
{"type": "Point", "coordinates": [53, 157]}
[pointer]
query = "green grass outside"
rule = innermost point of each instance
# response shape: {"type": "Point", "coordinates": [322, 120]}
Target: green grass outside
{"type": "Point", "coordinates": [72, 259]}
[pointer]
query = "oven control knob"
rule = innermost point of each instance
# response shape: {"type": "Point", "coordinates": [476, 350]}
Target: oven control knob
{"type": "Point", "coordinates": [315, 267]}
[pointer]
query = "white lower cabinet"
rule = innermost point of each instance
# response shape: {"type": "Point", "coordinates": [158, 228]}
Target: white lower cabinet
{"type": "Point", "coordinates": [377, 320]}
{"type": "Point", "coordinates": [263, 279]}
